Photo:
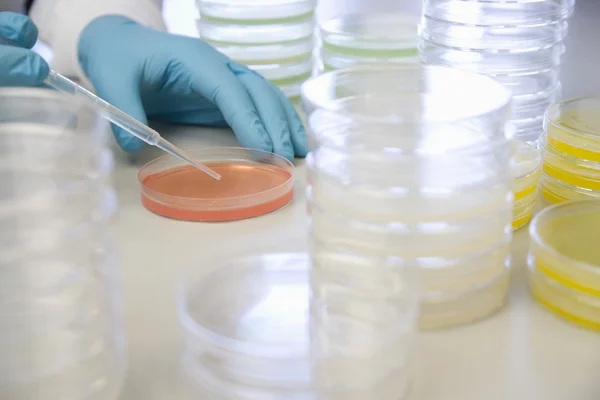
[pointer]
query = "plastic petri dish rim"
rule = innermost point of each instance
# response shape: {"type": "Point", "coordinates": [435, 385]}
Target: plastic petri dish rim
{"type": "Point", "coordinates": [570, 169]}
{"type": "Point", "coordinates": [371, 35]}
{"type": "Point", "coordinates": [383, 94]}
{"type": "Point", "coordinates": [564, 241]}
{"type": "Point", "coordinates": [250, 313]}
{"type": "Point", "coordinates": [259, 12]}
{"type": "Point", "coordinates": [573, 127]}
{"type": "Point", "coordinates": [254, 183]}
{"type": "Point", "coordinates": [526, 165]}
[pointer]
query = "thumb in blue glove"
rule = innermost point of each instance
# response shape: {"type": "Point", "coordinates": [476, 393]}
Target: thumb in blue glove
{"type": "Point", "coordinates": [148, 73]}
{"type": "Point", "coordinates": [19, 66]}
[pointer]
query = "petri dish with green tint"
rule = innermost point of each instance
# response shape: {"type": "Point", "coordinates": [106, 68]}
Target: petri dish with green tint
{"type": "Point", "coordinates": [369, 38]}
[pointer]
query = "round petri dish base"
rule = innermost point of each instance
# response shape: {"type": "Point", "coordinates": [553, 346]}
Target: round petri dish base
{"type": "Point", "coordinates": [465, 308]}
{"type": "Point", "coordinates": [253, 183]}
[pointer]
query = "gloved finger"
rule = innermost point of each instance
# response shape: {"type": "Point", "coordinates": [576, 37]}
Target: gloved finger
{"type": "Point", "coordinates": [21, 67]}
{"type": "Point", "coordinates": [18, 29]}
{"type": "Point", "coordinates": [298, 133]}
{"type": "Point", "coordinates": [222, 88]}
{"type": "Point", "coordinates": [270, 109]}
{"type": "Point", "coordinates": [122, 91]}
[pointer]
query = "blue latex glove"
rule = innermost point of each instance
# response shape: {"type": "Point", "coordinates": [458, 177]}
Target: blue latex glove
{"type": "Point", "coordinates": [19, 66]}
{"type": "Point", "coordinates": [179, 79]}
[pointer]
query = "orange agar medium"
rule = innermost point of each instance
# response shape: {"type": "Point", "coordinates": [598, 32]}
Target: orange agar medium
{"type": "Point", "coordinates": [253, 183]}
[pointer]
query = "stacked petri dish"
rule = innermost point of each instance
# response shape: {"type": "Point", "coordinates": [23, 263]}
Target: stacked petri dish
{"type": "Point", "coordinates": [571, 151]}
{"type": "Point", "coordinates": [397, 179]}
{"type": "Point", "coordinates": [359, 39]}
{"type": "Point", "coordinates": [564, 264]}
{"type": "Point", "coordinates": [60, 307]}
{"type": "Point", "coordinates": [527, 169]}
{"type": "Point", "coordinates": [518, 42]}
{"type": "Point", "coordinates": [272, 37]}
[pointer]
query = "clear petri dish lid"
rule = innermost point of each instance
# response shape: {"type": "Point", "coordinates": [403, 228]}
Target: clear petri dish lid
{"type": "Point", "coordinates": [513, 38]}
{"type": "Point", "coordinates": [218, 33]}
{"type": "Point", "coordinates": [573, 127]}
{"type": "Point", "coordinates": [269, 54]}
{"type": "Point", "coordinates": [526, 165]}
{"type": "Point", "coordinates": [253, 183]}
{"type": "Point", "coordinates": [565, 244]}
{"type": "Point", "coordinates": [258, 12]}
{"type": "Point", "coordinates": [262, 312]}
{"type": "Point", "coordinates": [500, 12]}
{"type": "Point", "coordinates": [388, 35]}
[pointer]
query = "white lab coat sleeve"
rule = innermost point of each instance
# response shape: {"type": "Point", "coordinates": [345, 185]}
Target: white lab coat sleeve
{"type": "Point", "coordinates": [61, 22]}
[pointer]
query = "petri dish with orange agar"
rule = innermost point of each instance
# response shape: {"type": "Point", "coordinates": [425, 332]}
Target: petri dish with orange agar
{"type": "Point", "coordinates": [253, 183]}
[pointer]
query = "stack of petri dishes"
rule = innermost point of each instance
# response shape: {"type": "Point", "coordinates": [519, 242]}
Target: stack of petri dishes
{"type": "Point", "coordinates": [564, 264]}
{"type": "Point", "coordinates": [272, 37]}
{"type": "Point", "coordinates": [571, 151]}
{"type": "Point", "coordinates": [368, 39]}
{"type": "Point", "coordinates": [60, 307]}
{"type": "Point", "coordinates": [399, 180]}
{"type": "Point", "coordinates": [519, 42]}
{"type": "Point", "coordinates": [527, 169]}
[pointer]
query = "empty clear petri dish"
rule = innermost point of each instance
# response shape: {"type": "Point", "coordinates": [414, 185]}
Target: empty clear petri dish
{"type": "Point", "coordinates": [529, 129]}
{"type": "Point", "coordinates": [256, 12]}
{"type": "Point", "coordinates": [369, 39]}
{"type": "Point", "coordinates": [493, 37]}
{"type": "Point", "coordinates": [569, 169]}
{"type": "Point", "coordinates": [287, 77]}
{"type": "Point", "coordinates": [491, 62]}
{"type": "Point", "coordinates": [534, 105]}
{"type": "Point", "coordinates": [253, 183]}
{"type": "Point", "coordinates": [499, 13]}
{"type": "Point", "coordinates": [252, 34]}
{"type": "Point", "coordinates": [564, 244]}
{"type": "Point", "coordinates": [534, 83]}
{"type": "Point", "coordinates": [573, 127]}
{"type": "Point", "coordinates": [249, 334]}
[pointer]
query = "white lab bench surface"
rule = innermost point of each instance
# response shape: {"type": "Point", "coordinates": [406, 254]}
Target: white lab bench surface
{"type": "Point", "coordinates": [522, 353]}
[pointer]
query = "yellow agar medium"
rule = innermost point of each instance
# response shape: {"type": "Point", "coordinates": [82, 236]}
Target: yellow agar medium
{"type": "Point", "coordinates": [576, 132]}
{"type": "Point", "coordinates": [564, 302]}
{"type": "Point", "coordinates": [526, 166]}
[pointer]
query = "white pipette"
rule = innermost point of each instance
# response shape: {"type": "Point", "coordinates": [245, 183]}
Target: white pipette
{"type": "Point", "coordinates": [123, 120]}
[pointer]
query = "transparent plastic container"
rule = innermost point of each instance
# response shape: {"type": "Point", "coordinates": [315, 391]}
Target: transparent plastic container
{"type": "Point", "coordinates": [258, 336]}
{"type": "Point", "coordinates": [514, 38]}
{"type": "Point", "coordinates": [527, 168]}
{"type": "Point", "coordinates": [531, 84]}
{"type": "Point", "coordinates": [573, 128]}
{"type": "Point", "coordinates": [564, 245]}
{"type": "Point", "coordinates": [534, 105]}
{"type": "Point", "coordinates": [556, 191]}
{"type": "Point", "coordinates": [575, 306]}
{"type": "Point", "coordinates": [60, 304]}
{"type": "Point", "coordinates": [499, 13]}
{"type": "Point", "coordinates": [569, 169]}
{"type": "Point", "coordinates": [369, 39]}
{"type": "Point", "coordinates": [386, 183]}
{"type": "Point", "coordinates": [220, 33]}
{"type": "Point", "coordinates": [253, 183]}
{"type": "Point", "coordinates": [256, 12]}
{"type": "Point", "coordinates": [492, 62]}
{"type": "Point", "coordinates": [528, 129]}
{"type": "Point", "coordinates": [268, 54]}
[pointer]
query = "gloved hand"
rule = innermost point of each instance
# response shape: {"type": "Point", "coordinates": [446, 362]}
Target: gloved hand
{"type": "Point", "coordinates": [145, 72]}
{"type": "Point", "coordinates": [19, 66]}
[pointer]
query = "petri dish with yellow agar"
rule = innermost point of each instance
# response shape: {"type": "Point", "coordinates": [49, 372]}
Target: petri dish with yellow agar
{"type": "Point", "coordinates": [526, 166]}
{"type": "Point", "coordinates": [580, 308]}
{"type": "Point", "coordinates": [564, 243]}
{"type": "Point", "coordinates": [567, 168]}
{"type": "Point", "coordinates": [573, 127]}
{"type": "Point", "coordinates": [253, 183]}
